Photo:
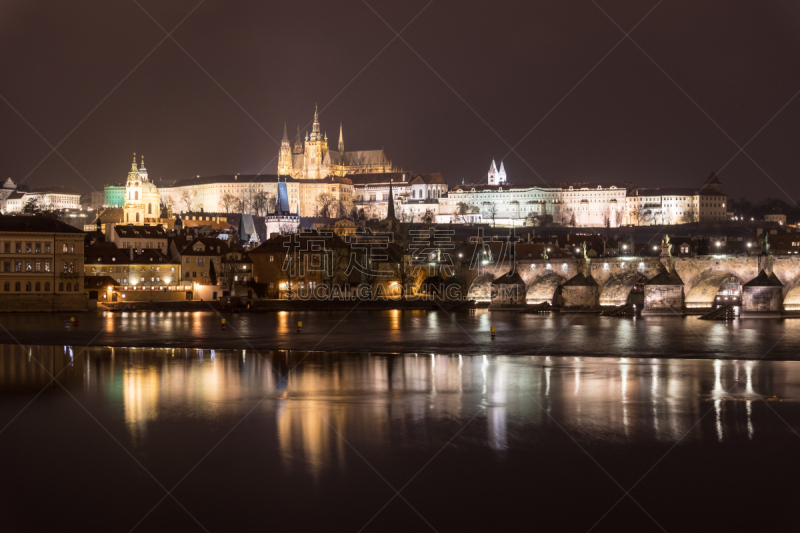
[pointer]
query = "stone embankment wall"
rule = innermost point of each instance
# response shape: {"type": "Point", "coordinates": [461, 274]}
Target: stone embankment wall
{"type": "Point", "coordinates": [25, 303]}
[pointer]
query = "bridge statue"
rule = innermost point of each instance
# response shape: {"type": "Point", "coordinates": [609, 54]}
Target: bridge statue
{"type": "Point", "coordinates": [766, 244]}
{"type": "Point", "coordinates": [666, 247]}
{"type": "Point", "coordinates": [585, 255]}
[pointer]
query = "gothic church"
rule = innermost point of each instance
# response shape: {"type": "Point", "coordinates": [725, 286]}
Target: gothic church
{"type": "Point", "coordinates": [313, 160]}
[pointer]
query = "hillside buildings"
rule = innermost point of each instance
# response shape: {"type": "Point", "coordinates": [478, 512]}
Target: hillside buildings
{"type": "Point", "coordinates": [583, 204]}
{"type": "Point", "coordinates": [677, 206]}
{"type": "Point", "coordinates": [47, 198]}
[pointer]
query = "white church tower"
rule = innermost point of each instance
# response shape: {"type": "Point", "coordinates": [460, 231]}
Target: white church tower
{"type": "Point", "coordinates": [497, 177]}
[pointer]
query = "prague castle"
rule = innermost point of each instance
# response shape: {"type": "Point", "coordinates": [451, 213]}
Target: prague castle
{"type": "Point", "coordinates": [313, 160]}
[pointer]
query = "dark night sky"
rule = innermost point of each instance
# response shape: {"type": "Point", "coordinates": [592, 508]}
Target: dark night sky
{"type": "Point", "coordinates": [510, 62]}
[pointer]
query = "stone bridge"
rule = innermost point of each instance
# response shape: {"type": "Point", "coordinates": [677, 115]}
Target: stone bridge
{"type": "Point", "coordinates": [703, 276]}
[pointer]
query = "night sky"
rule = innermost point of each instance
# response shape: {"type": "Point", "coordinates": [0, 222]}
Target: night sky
{"type": "Point", "coordinates": [480, 76]}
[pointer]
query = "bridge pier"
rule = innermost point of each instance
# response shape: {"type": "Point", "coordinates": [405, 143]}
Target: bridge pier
{"type": "Point", "coordinates": [580, 291]}
{"type": "Point", "coordinates": [762, 296]}
{"type": "Point", "coordinates": [663, 295]}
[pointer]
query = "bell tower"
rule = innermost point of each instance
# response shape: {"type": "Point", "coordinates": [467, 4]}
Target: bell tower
{"type": "Point", "coordinates": [316, 148]}
{"type": "Point", "coordinates": [285, 156]}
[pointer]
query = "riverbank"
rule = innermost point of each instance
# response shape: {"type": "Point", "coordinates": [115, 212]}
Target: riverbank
{"type": "Point", "coordinates": [416, 331]}
{"type": "Point", "coordinates": [238, 305]}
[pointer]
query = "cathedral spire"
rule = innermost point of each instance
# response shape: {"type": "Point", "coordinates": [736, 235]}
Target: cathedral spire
{"type": "Point", "coordinates": [341, 139]}
{"type": "Point", "coordinates": [285, 155]}
{"type": "Point", "coordinates": [315, 127]}
{"type": "Point", "coordinates": [298, 142]}
{"type": "Point", "coordinates": [390, 212]}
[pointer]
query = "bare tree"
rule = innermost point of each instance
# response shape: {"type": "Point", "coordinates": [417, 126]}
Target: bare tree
{"type": "Point", "coordinates": [188, 198]}
{"type": "Point", "coordinates": [227, 202]}
{"type": "Point", "coordinates": [260, 203]}
{"type": "Point", "coordinates": [618, 217]}
{"type": "Point", "coordinates": [490, 211]}
{"type": "Point", "coordinates": [326, 205]}
{"type": "Point", "coordinates": [242, 203]}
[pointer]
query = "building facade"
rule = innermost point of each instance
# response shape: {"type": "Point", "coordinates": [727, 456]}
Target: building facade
{"type": "Point", "coordinates": [226, 193]}
{"type": "Point", "coordinates": [114, 195]}
{"type": "Point", "coordinates": [583, 204]}
{"type": "Point", "coordinates": [142, 200]}
{"type": "Point", "coordinates": [41, 262]}
{"type": "Point", "coordinates": [6, 190]}
{"type": "Point", "coordinates": [47, 199]}
{"type": "Point", "coordinates": [139, 238]}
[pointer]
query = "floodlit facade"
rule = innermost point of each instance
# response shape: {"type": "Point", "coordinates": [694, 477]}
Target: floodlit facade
{"type": "Point", "coordinates": [312, 159]}
{"type": "Point", "coordinates": [47, 199]}
{"type": "Point", "coordinates": [142, 200]}
{"type": "Point", "coordinates": [41, 265]}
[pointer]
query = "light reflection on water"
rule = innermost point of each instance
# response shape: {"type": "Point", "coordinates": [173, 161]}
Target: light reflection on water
{"type": "Point", "coordinates": [383, 399]}
{"type": "Point", "coordinates": [410, 331]}
{"type": "Point", "coordinates": [303, 425]}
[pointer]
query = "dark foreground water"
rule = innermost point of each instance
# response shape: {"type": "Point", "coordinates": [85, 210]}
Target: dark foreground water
{"type": "Point", "coordinates": [418, 332]}
{"type": "Point", "coordinates": [282, 441]}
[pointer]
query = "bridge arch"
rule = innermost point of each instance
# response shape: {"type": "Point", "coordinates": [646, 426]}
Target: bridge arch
{"type": "Point", "coordinates": [544, 289]}
{"type": "Point", "coordinates": [704, 288]}
{"type": "Point", "coordinates": [617, 289]}
{"type": "Point", "coordinates": [481, 288]}
{"type": "Point", "coordinates": [791, 295]}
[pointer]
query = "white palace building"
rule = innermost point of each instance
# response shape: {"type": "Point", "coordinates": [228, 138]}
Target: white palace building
{"type": "Point", "coordinates": [582, 204]}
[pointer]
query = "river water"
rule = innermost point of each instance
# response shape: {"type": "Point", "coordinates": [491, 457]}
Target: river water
{"type": "Point", "coordinates": [298, 441]}
{"type": "Point", "coordinates": [419, 331]}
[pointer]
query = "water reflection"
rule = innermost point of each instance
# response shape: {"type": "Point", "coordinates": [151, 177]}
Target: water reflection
{"type": "Point", "coordinates": [311, 405]}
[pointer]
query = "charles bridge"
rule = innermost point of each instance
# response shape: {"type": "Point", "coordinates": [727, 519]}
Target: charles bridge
{"type": "Point", "coordinates": [699, 280]}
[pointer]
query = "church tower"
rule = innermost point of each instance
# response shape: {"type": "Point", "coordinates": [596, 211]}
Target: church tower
{"type": "Point", "coordinates": [497, 177]}
{"type": "Point", "coordinates": [501, 174]}
{"type": "Point", "coordinates": [341, 141]}
{"type": "Point", "coordinates": [285, 156]}
{"type": "Point", "coordinates": [315, 151]}
{"type": "Point", "coordinates": [142, 199]}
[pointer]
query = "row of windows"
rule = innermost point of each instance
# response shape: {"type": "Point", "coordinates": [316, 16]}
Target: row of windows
{"type": "Point", "coordinates": [30, 266]}
{"type": "Point", "coordinates": [126, 269]}
{"type": "Point", "coordinates": [32, 247]}
{"type": "Point", "coordinates": [37, 287]}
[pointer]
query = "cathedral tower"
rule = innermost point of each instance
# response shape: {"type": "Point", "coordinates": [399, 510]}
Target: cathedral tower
{"type": "Point", "coordinates": [298, 143]}
{"type": "Point", "coordinates": [285, 156]}
{"type": "Point", "coordinates": [341, 140]}
{"type": "Point", "coordinates": [315, 151]}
